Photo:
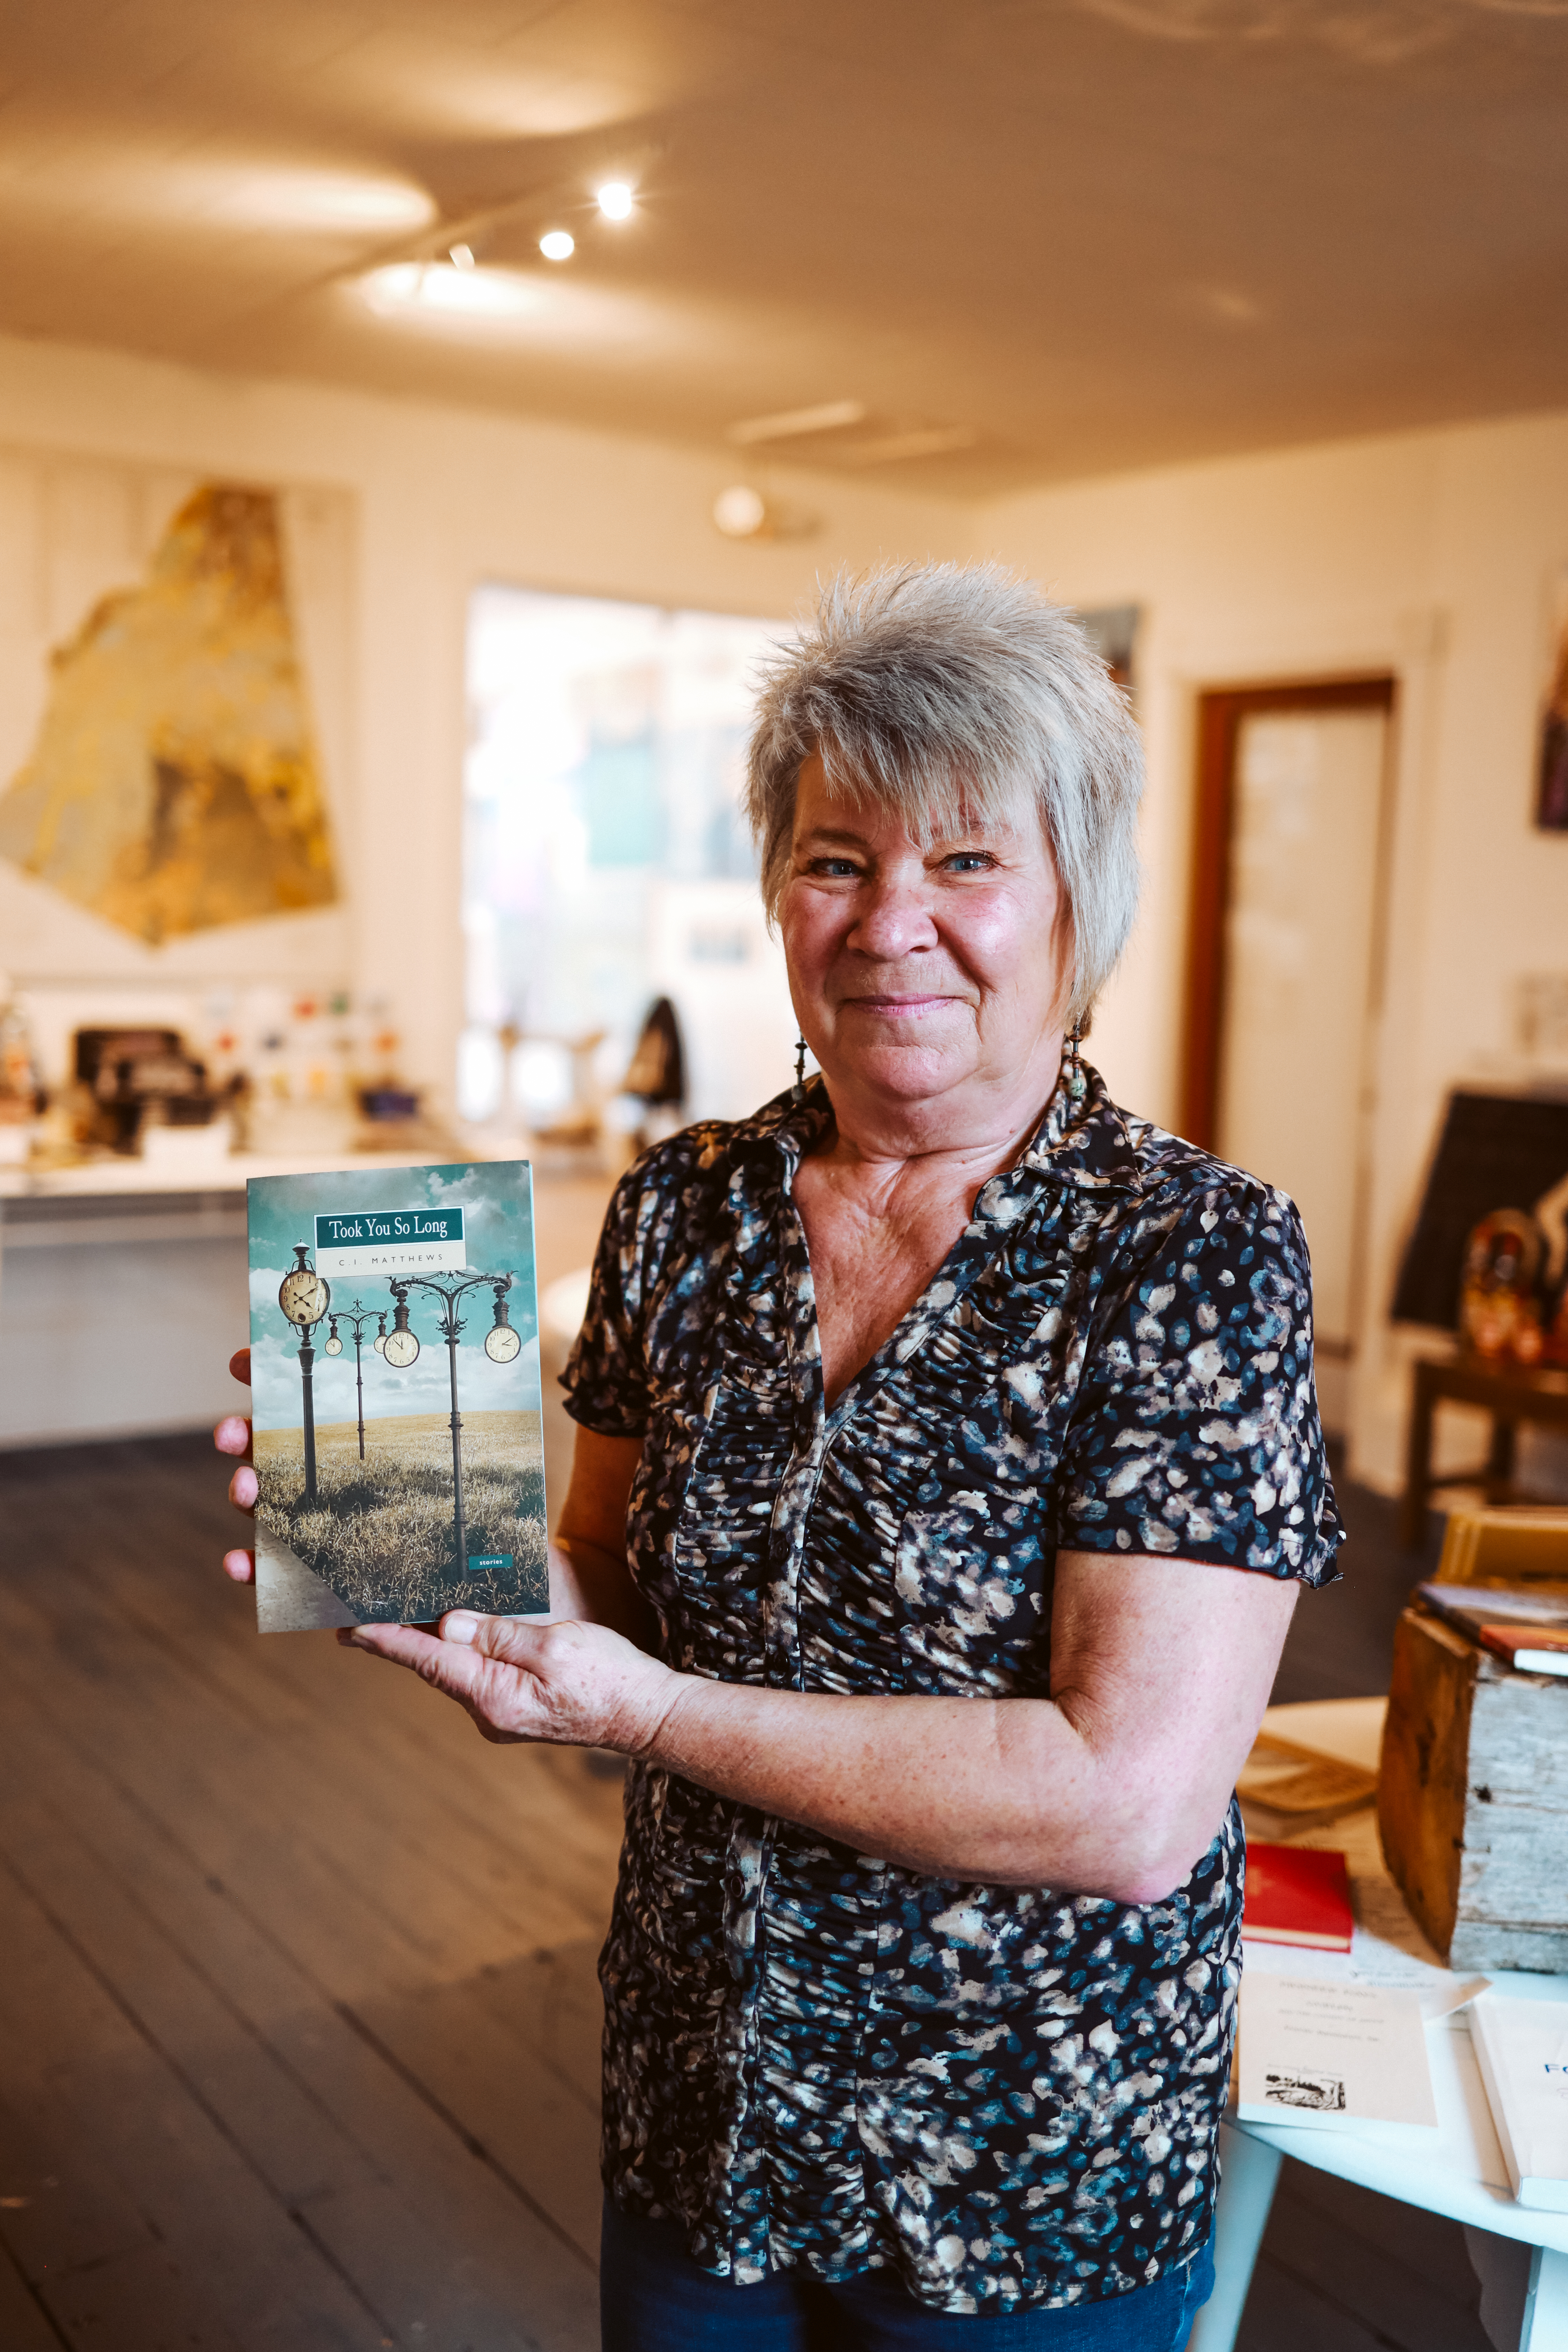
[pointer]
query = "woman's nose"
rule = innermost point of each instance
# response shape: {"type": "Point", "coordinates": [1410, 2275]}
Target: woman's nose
{"type": "Point", "coordinates": [893, 920]}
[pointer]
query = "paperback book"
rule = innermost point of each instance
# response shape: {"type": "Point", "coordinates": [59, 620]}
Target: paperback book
{"type": "Point", "coordinates": [1529, 1629]}
{"type": "Point", "coordinates": [1522, 2050]}
{"type": "Point", "coordinates": [395, 1396]}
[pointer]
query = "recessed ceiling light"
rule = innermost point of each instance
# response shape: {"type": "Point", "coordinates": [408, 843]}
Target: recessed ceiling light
{"type": "Point", "coordinates": [438, 286]}
{"type": "Point", "coordinates": [615, 200]}
{"type": "Point", "coordinates": [462, 256]}
{"type": "Point", "coordinates": [927, 441]}
{"type": "Point", "coordinates": [558, 245]}
{"type": "Point", "coordinates": [741, 512]}
{"type": "Point", "coordinates": [789, 424]}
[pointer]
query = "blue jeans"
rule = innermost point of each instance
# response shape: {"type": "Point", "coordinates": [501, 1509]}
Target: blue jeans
{"type": "Point", "coordinates": [654, 2298]}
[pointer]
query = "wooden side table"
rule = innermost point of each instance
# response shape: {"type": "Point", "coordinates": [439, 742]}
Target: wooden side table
{"type": "Point", "coordinates": [1508, 1394]}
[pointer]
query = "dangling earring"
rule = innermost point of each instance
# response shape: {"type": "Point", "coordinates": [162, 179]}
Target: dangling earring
{"type": "Point", "coordinates": [799, 1093]}
{"type": "Point", "coordinates": [1078, 1084]}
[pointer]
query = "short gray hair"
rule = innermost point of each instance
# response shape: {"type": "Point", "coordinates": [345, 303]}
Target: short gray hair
{"type": "Point", "coordinates": [928, 686]}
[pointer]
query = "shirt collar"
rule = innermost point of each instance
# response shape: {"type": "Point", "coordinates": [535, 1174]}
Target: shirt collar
{"type": "Point", "coordinates": [1081, 1139]}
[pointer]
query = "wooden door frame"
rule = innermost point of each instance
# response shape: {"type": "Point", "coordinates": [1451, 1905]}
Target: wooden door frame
{"type": "Point", "coordinates": [1220, 713]}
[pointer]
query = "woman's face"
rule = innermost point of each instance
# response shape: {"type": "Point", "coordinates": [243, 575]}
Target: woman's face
{"type": "Point", "coordinates": [915, 970]}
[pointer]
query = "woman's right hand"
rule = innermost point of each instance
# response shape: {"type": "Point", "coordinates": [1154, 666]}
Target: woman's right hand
{"type": "Point", "coordinates": [232, 1436]}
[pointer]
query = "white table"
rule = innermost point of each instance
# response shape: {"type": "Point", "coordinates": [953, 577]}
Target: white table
{"type": "Point", "coordinates": [1463, 2175]}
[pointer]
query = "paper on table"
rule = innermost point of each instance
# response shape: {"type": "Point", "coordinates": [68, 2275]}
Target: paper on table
{"type": "Point", "coordinates": [1332, 2056]}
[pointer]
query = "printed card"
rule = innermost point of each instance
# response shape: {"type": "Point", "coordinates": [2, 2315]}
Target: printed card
{"type": "Point", "coordinates": [1335, 2056]}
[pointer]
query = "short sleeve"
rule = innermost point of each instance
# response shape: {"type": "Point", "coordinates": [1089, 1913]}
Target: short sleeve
{"type": "Point", "coordinates": [1197, 1429]}
{"type": "Point", "coordinates": [605, 1378]}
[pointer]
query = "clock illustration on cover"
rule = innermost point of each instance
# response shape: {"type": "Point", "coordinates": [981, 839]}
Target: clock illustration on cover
{"type": "Point", "coordinates": [501, 1343]}
{"type": "Point", "coordinates": [401, 1344]}
{"type": "Point", "coordinates": [302, 1295]}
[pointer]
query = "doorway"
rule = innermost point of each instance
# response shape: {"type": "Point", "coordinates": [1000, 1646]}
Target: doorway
{"type": "Point", "coordinates": [1285, 964]}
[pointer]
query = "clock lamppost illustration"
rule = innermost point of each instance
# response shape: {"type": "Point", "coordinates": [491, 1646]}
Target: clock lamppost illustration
{"type": "Point", "coordinates": [361, 1317]}
{"type": "Point", "coordinates": [305, 1297]}
{"type": "Point", "coordinates": [501, 1344]}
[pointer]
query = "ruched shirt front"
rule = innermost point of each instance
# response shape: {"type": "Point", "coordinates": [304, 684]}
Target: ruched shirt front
{"type": "Point", "coordinates": [813, 2058]}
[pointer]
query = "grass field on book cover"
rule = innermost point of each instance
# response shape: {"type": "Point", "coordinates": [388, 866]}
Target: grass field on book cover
{"type": "Point", "coordinates": [395, 1393]}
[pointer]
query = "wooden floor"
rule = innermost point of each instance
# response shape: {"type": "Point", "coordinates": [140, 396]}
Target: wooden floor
{"type": "Point", "coordinates": [299, 2028]}
{"type": "Point", "coordinates": [298, 2034]}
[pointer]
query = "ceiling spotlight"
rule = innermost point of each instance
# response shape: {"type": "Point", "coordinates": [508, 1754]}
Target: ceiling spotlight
{"type": "Point", "coordinates": [558, 245]}
{"type": "Point", "coordinates": [462, 256]}
{"type": "Point", "coordinates": [741, 512]}
{"type": "Point", "coordinates": [615, 200]}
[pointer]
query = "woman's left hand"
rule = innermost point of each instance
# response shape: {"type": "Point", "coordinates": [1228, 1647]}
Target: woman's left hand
{"type": "Point", "coordinates": [579, 1685]}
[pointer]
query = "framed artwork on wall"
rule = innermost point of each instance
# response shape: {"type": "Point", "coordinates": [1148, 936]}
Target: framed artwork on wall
{"type": "Point", "coordinates": [174, 721]}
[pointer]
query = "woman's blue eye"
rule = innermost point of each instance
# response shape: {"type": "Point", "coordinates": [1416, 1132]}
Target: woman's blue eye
{"type": "Point", "coordinates": [966, 861]}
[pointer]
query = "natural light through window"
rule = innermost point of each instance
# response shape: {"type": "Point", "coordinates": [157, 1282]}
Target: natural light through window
{"type": "Point", "coordinates": [606, 861]}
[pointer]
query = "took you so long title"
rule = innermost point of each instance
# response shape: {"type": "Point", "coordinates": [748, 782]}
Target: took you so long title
{"type": "Point", "coordinates": [391, 1241]}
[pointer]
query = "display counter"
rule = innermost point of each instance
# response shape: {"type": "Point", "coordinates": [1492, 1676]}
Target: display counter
{"type": "Point", "coordinates": [124, 1289]}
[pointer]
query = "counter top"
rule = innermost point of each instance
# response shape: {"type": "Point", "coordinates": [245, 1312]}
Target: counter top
{"type": "Point", "coordinates": [225, 1173]}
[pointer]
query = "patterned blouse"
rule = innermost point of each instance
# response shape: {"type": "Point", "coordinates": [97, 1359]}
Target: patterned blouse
{"type": "Point", "coordinates": [1007, 2095]}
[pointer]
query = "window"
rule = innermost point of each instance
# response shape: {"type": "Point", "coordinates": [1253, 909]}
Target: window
{"type": "Point", "coordinates": [606, 861]}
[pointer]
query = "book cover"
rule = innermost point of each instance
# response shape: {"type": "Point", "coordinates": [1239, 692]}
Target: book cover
{"type": "Point", "coordinates": [1297, 1895]}
{"type": "Point", "coordinates": [395, 1396]}
{"type": "Point", "coordinates": [1533, 1649]}
{"type": "Point", "coordinates": [1522, 2048]}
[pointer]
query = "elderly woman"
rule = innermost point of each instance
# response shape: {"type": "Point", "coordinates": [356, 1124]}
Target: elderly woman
{"type": "Point", "coordinates": [947, 1465]}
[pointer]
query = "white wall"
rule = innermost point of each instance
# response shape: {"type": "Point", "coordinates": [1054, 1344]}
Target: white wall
{"type": "Point", "coordinates": [446, 498]}
{"type": "Point", "coordinates": [1436, 556]}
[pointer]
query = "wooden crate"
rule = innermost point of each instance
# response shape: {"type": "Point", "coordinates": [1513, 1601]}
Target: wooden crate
{"type": "Point", "coordinates": [1472, 1799]}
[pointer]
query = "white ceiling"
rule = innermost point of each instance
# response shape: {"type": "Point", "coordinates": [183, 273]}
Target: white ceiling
{"type": "Point", "coordinates": [1099, 233]}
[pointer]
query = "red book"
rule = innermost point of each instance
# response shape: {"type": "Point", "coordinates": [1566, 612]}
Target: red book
{"type": "Point", "coordinates": [1297, 1895]}
{"type": "Point", "coordinates": [1533, 1649]}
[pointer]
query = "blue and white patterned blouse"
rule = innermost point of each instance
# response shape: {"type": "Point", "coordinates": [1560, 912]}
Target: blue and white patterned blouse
{"type": "Point", "coordinates": [1007, 2095]}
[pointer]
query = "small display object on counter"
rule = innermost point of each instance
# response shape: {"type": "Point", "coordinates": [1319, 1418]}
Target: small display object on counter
{"type": "Point", "coordinates": [21, 1090]}
{"type": "Point", "coordinates": [396, 1398]}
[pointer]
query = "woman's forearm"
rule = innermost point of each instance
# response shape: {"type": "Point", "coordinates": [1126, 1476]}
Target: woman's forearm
{"type": "Point", "coordinates": [1005, 1791]}
{"type": "Point", "coordinates": [1114, 1785]}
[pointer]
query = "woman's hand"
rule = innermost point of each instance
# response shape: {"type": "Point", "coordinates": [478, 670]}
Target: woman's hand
{"type": "Point", "coordinates": [232, 1436]}
{"type": "Point", "coordinates": [576, 1685]}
